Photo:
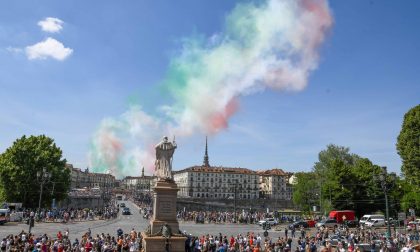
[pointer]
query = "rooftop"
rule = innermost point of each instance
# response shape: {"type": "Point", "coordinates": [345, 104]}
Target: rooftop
{"type": "Point", "coordinates": [138, 177]}
{"type": "Point", "coordinates": [276, 171]}
{"type": "Point", "coordinates": [216, 169]}
{"type": "Point", "coordinates": [236, 170]}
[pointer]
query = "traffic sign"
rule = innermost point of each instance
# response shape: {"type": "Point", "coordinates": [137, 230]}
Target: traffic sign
{"type": "Point", "coordinates": [402, 216]}
{"type": "Point", "coordinates": [412, 212]}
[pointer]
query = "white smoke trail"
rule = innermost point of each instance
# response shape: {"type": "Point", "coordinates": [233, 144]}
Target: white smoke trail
{"type": "Point", "coordinates": [273, 44]}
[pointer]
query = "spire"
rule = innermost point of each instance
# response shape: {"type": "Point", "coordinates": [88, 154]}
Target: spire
{"type": "Point", "coordinates": [142, 171]}
{"type": "Point", "coordinates": [206, 157]}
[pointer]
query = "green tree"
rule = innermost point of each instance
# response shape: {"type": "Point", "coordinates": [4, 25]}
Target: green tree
{"type": "Point", "coordinates": [19, 166]}
{"type": "Point", "coordinates": [407, 196]}
{"type": "Point", "coordinates": [347, 181]}
{"type": "Point", "coordinates": [408, 146]}
{"type": "Point", "coordinates": [367, 195]}
{"type": "Point", "coordinates": [326, 158]}
{"type": "Point", "coordinates": [305, 190]}
{"type": "Point", "coordinates": [2, 196]}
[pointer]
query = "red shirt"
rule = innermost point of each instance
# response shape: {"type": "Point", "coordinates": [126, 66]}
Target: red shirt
{"type": "Point", "coordinates": [232, 241]}
{"type": "Point", "coordinates": [88, 246]}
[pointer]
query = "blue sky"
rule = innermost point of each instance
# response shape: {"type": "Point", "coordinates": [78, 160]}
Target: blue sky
{"type": "Point", "coordinates": [368, 77]}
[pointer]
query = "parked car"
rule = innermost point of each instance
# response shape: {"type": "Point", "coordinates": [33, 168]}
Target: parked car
{"type": "Point", "coordinates": [375, 223]}
{"type": "Point", "coordinates": [351, 224]}
{"type": "Point", "coordinates": [311, 223]}
{"type": "Point", "coordinates": [270, 221]}
{"type": "Point", "coordinates": [329, 223]}
{"type": "Point", "coordinates": [4, 216]}
{"type": "Point", "coordinates": [199, 219]}
{"type": "Point", "coordinates": [122, 205]}
{"type": "Point", "coordinates": [335, 239]}
{"type": "Point", "coordinates": [126, 211]}
{"type": "Point", "coordinates": [368, 246]}
{"type": "Point", "coordinates": [298, 224]}
{"type": "Point", "coordinates": [413, 225]}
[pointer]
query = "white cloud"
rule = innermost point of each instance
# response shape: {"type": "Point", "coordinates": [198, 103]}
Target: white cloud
{"type": "Point", "coordinates": [48, 48]}
{"type": "Point", "coordinates": [51, 24]}
{"type": "Point", "coordinates": [14, 49]}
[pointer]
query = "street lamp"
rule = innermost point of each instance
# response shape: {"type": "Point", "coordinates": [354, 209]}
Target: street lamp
{"type": "Point", "coordinates": [42, 177]}
{"type": "Point", "coordinates": [386, 185]}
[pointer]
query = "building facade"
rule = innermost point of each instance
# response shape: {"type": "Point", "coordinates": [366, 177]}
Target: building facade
{"type": "Point", "coordinates": [211, 182]}
{"type": "Point", "coordinates": [217, 183]}
{"type": "Point", "coordinates": [140, 183]}
{"type": "Point", "coordinates": [86, 179]}
{"type": "Point", "coordinates": [274, 184]}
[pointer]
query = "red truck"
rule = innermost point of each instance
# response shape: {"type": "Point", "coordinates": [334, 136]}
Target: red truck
{"type": "Point", "coordinates": [342, 215]}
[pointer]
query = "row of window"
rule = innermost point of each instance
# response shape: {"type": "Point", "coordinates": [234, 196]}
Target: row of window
{"type": "Point", "coordinates": [223, 196]}
{"type": "Point", "coordinates": [225, 180]}
{"type": "Point", "coordinates": [223, 175]}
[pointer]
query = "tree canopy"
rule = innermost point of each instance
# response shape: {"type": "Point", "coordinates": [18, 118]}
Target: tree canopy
{"type": "Point", "coordinates": [19, 166]}
{"type": "Point", "coordinates": [343, 180]}
{"type": "Point", "coordinates": [408, 146]}
{"type": "Point", "coordinates": [347, 182]}
{"type": "Point", "coordinates": [304, 194]}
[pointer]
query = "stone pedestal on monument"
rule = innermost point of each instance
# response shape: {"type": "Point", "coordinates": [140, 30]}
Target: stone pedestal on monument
{"type": "Point", "coordinates": [164, 212]}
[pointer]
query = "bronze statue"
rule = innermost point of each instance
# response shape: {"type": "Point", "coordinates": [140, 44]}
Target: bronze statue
{"type": "Point", "coordinates": [166, 231]}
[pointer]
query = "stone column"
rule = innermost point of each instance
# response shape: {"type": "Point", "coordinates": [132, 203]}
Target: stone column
{"type": "Point", "coordinates": [164, 211]}
{"type": "Point", "coordinates": [164, 206]}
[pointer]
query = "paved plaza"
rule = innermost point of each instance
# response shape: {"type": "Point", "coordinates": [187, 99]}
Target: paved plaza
{"type": "Point", "coordinates": [127, 222]}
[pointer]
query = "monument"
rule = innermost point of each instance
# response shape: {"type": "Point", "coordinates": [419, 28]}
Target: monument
{"type": "Point", "coordinates": [163, 232]}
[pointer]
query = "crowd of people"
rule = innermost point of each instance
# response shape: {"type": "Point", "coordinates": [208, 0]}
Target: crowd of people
{"type": "Point", "coordinates": [322, 239]}
{"type": "Point", "coordinates": [119, 241]}
{"type": "Point", "coordinates": [222, 216]}
{"type": "Point", "coordinates": [337, 239]}
{"type": "Point", "coordinates": [72, 214]}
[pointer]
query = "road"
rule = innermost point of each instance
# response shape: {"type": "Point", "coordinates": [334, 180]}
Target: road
{"type": "Point", "coordinates": [128, 222]}
{"type": "Point", "coordinates": [136, 221]}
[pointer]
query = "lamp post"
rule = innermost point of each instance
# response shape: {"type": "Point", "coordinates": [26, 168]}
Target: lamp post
{"type": "Point", "coordinates": [42, 177]}
{"type": "Point", "coordinates": [386, 184]}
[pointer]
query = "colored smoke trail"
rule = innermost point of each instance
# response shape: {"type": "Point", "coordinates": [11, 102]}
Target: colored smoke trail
{"type": "Point", "coordinates": [272, 44]}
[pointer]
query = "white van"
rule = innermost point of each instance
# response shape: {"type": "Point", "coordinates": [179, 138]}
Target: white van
{"type": "Point", "coordinates": [375, 223]}
{"type": "Point", "coordinates": [370, 217]}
